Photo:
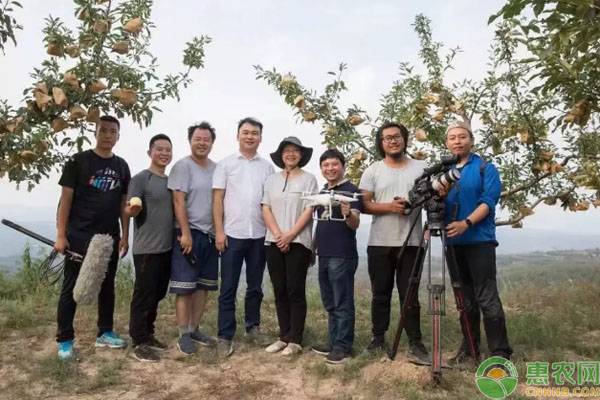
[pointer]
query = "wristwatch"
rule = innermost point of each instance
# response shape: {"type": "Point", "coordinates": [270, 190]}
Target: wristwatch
{"type": "Point", "coordinates": [469, 222]}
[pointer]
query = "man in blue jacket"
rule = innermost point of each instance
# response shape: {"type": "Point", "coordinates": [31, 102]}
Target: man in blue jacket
{"type": "Point", "coordinates": [470, 214]}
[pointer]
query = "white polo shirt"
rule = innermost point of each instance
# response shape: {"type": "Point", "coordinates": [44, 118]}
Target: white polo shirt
{"type": "Point", "coordinates": [243, 180]}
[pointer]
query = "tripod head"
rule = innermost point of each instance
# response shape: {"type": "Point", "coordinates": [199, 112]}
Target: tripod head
{"type": "Point", "coordinates": [425, 192]}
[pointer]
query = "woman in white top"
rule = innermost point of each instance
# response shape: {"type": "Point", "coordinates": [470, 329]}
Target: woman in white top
{"type": "Point", "coordinates": [288, 242]}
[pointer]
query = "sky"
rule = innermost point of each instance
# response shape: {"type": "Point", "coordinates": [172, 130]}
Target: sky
{"type": "Point", "coordinates": [306, 38]}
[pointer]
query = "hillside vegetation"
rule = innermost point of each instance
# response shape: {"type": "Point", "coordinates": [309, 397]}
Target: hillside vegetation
{"type": "Point", "coordinates": [550, 301]}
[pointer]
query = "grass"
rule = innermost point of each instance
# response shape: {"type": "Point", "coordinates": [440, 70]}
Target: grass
{"type": "Point", "coordinates": [548, 307]}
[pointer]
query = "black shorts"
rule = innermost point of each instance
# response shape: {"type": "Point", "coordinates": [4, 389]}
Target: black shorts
{"type": "Point", "coordinates": [203, 274]}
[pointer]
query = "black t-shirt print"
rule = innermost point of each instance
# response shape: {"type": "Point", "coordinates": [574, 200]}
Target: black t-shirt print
{"type": "Point", "coordinates": [98, 184]}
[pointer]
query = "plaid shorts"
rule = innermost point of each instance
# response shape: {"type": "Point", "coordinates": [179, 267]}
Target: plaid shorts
{"type": "Point", "coordinates": [203, 274]}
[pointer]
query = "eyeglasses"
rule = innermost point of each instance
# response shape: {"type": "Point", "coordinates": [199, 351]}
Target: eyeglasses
{"type": "Point", "coordinates": [290, 151]}
{"type": "Point", "coordinates": [395, 138]}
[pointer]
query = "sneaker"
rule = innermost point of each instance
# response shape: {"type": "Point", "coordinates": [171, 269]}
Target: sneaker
{"type": "Point", "coordinates": [417, 354]}
{"type": "Point", "coordinates": [337, 356]}
{"type": "Point", "coordinates": [276, 347]}
{"type": "Point", "coordinates": [224, 347]}
{"type": "Point", "coordinates": [321, 349]}
{"type": "Point", "coordinates": [186, 344]}
{"type": "Point", "coordinates": [377, 343]}
{"type": "Point", "coordinates": [156, 344]}
{"type": "Point", "coordinates": [202, 338]}
{"type": "Point", "coordinates": [145, 353]}
{"type": "Point", "coordinates": [291, 349]}
{"type": "Point", "coordinates": [65, 350]}
{"type": "Point", "coordinates": [255, 335]}
{"type": "Point", "coordinates": [110, 339]}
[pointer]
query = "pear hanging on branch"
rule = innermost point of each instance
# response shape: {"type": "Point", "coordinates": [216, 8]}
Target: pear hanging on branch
{"type": "Point", "coordinates": [299, 101]}
{"type": "Point", "coordinates": [127, 97]}
{"type": "Point", "coordinates": [133, 26]}
{"type": "Point", "coordinates": [54, 49]}
{"type": "Point", "coordinates": [59, 124]}
{"type": "Point", "coordinates": [309, 116]}
{"type": "Point", "coordinates": [28, 156]}
{"type": "Point", "coordinates": [355, 120]}
{"type": "Point", "coordinates": [72, 50]}
{"type": "Point", "coordinates": [42, 100]}
{"type": "Point", "coordinates": [96, 87]}
{"type": "Point", "coordinates": [121, 47]}
{"type": "Point", "coordinates": [14, 125]}
{"type": "Point", "coordinates": [421, 135]}
{"type": "Point", "coordinates": [93, 114]}
{"type": "Point", "coordinates": [41, 87]}
{"type": "Point", "coordinates": [77, 112]}
{"type": "Point", "coordinates": [419, 155]}
{"type": "Point", "coordinates": [101, 26]}
{"type": "Point", "coordinates": [59, 97]}
{"type": "Point", "coordinates": [71, 79]}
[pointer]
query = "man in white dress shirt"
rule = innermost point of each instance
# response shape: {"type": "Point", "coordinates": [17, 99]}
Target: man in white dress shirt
{"type": "Point", "coordinates": [240, 230]}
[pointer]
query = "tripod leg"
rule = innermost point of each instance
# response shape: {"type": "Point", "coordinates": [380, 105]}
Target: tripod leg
{"type": "Point", "coordinates": [436, 292]}
{"type": "Point", "coordinates": [411, 293]}
{"type": "Point", "coordinates": [459, 298]}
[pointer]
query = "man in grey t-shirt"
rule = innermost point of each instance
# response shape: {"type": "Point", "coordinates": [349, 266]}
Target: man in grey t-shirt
{"type": "Point", "coordinates": [195, 266]}
{"type": "Point", "coordinates": [149, 202]}
{"type": "Point", "coordinates": [385, 186]}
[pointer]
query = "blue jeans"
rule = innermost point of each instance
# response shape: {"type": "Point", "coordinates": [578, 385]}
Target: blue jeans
{"type": "Point", "coordinates": [252, 251]}
{"type": "Point", "coordinates": [336, 280]}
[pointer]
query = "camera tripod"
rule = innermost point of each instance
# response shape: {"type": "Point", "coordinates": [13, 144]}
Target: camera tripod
{"type": "Point", "coordinates": [436, 298]}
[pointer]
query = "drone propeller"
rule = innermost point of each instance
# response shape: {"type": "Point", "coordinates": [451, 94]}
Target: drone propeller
{"type": "Point", "coordinates": [342, 192]}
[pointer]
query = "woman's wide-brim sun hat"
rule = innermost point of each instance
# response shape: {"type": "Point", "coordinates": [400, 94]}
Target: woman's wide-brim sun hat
{"type": "Point", "coordinates": [306, 152]}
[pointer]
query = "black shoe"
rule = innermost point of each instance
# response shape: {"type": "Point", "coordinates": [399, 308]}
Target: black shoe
{"type": "Point", "coordinates": [156, 344]}
{"type": "Point", "coordinates": [417, 354]}
{"type": "Point", "coordinates": [145, 353]}
{"type": "Point", "coordinates": [377, 343]}
{"type": "Point", "coordinates": [337, 356]}
{"type": "Point", "coordinates": [321, 349]}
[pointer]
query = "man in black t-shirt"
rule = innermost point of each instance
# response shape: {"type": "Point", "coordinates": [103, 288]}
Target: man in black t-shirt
{"type": "Point", "coordinates": [338, 259]}
{"type": "Point", "coordinates": [94, 188]}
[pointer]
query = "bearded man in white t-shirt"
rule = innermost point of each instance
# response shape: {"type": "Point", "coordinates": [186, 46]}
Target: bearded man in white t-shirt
{"type": "Point", "coordinates": [385, 186]}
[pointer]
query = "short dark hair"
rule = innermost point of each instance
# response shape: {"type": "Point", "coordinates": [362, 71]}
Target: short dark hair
{"type": "Point", "coordinates": [202, 125]}
{"type": "Point", "coordinates": [251, 121]}
{"type": "Point", "coordinates": [160, 136]}
{"type": "Point", "coordinates": [110, 118]}
{"type": "Point", "coordinates": [332, 153]}
{"type": "Point", "coordinates": [379, 135]}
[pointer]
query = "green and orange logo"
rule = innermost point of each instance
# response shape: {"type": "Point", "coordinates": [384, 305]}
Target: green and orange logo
{"type": "Point", "coordinates": [496, 378]}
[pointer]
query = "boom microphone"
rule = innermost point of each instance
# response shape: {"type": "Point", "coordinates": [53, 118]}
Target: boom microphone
{"type": "Point", "coordinates": [93, 269]}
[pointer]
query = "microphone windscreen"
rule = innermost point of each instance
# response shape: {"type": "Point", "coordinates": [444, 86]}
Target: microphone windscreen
{"type": "Point", "coordinates": [93, 269]}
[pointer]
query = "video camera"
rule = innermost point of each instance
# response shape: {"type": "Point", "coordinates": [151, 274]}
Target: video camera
{"type": "Point", "coordinates": [425, 190]}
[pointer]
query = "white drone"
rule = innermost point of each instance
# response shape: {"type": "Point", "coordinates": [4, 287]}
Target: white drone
{"type": "Point", "coordinates": [328, 199]}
